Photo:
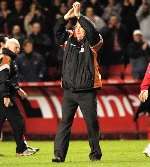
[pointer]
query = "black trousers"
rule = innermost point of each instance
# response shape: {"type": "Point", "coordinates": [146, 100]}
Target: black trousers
{"type": "Point", "coordinates": [86, 100]}
{"type": "Point", "coordinates": [16, 121]}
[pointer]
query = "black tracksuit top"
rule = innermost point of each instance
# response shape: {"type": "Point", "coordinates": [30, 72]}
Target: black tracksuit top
{"type": "Point", "coordinates": [8, 74]}
{"type": "Point", "coordinates": [78, 61]}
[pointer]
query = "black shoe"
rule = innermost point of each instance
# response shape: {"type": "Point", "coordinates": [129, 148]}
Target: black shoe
{"type": "Point", "coordinates": [34, 149]}
{"type": "Point", "coordinates": [96, 157]}
{"type": "Point", "coordinates": [27, 152]}
{"type": "Point", "coordinates": [57, 159]}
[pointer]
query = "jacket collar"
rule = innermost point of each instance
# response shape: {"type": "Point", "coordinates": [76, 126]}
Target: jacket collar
{"type": "Point", "coordinates": [8, 52]}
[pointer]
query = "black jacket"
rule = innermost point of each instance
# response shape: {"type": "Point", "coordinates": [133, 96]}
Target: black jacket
{"type": "Point", "coordinates": [134, 50]}
{"type": "Point", "coordinates": [42, 42]}
{"type": "Point", "coordinates": [31, 67]}
{"type": "Point", "coordinates": [80, 67]}
{"type": "Point", "coordinates": [108, 49]}
{"type": "Point", "coordinates": [8, 74]}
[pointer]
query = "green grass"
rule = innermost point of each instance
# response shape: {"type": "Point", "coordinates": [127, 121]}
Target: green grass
{"type": "Point", "coordinates": [122, 153]}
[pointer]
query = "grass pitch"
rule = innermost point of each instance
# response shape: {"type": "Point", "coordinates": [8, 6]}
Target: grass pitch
{"type": "Point", "coordinates": [122, 153]}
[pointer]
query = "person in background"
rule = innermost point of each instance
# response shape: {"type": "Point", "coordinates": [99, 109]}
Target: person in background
{"type": "Point", "coordinates": [17, 15]}
{"type": "Point", "coordinates": [98, 21]}
{"type": "Point", "coordinates": [17, 34]}
{"type": "Point", "coordinates": [8, 90]}
{"type": "Point", "coordinates": [31, 65]}
{"type": "Point", "coordinates": [70, 3]}
{"type": "Point", "coordinates": [41, 41]}
{"type": "Point", "coordinates": [4, 14]}
{"type": "Point", "coordinates": [143, 16]}
{"type": "Point", "coordinates": [95, 4]}
{"type": "Point", "coordinates": [138, 52]}
{"type": "Point", "coordinates": [35, 14]}
{"type": "Point", "coordinates": [56, 6]}
{"type": "Point", "coordinates": [128, 16]}
{"type": "Point", "coordinates": [144, 97]}
{"type": "Point", "coordinates": [62, 10]}
{"type": "Point", "coordinates": [112, 8]}
{"type": "Point", "coordinates": [115, 42]}
{"type": "Point", "coordinates": [80, 80]}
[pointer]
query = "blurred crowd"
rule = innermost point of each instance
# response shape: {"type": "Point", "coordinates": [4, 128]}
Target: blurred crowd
{"type": "Point", "coordinates": [124, 25]}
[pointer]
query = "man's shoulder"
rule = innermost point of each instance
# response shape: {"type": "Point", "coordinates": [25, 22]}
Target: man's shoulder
{"type": "Point", "coordinates": [5, 63]}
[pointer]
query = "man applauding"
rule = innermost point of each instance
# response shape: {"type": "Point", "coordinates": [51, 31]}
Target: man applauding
{"type": "Point", "coordinates": [80, 80]}
{"type": "Point", "coordinates": [143, 96]}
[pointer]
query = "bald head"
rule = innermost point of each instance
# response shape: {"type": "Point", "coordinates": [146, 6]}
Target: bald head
{"type": "Point", "coordinates": [13, 45]}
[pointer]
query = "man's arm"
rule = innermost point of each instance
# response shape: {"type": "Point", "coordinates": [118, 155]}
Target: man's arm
{"type": "Point", "coordinates": [13, 81]}
{"type": "Point", "coordinates": [60, 28]}
{"type": "Point", "coordinates": [92, 35]}
{"type": "Point", "coordinates": [94, 38]}
{"type": "Point", "coordinates": [60, 31]}
{"type": "Point", "coordinates": [139, 13]}
{"type": "Point", "coordinates": [146, 81]}
{"type": "Point", "coordinates": [145, 85]}
{"type": "Point", "coordinates": [4, 73]}
{"type": "Point", "coordinates": [3, 86]}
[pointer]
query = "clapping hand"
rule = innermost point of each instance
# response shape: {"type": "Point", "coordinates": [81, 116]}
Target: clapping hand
{"type": "Point", "coordinates": [77, 8]}
{"type": "Point", "coordinates": [143, 95]}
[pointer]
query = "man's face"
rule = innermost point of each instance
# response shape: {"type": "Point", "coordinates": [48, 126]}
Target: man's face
{"type": "Point", "coordinates": [146, 7]}
{"type": "Point", "coordinates": [89, 12]}
{"type": "Point", "coordinates": [16, 30]}
{"type": "Point", "coordinates": [3, 5]}
{"type": "Point", "coordinates": [18, 4]}
{"type": "Point", "coordinates": [137, 37]}
{"type": "Point", "coordinates": [79, 31]}
{"type": "Point", "coordinates": [36, 28]}
{"type": "Point", "coordinates": [28, 48]}
{"type": "Point", "coordinates": [63, 8]}
{"type": "Point", "coordinates": [114, 21]}
{"type": "Point", "coordinates": [93, 1]}
{"type": "Point", "coordinates": [15, 48]}
{"type": "Point", "coordinates": [112, 2]}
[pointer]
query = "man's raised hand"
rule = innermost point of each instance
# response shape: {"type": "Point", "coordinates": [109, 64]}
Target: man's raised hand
{"type": "Point", "coordinates": [77, 8]}
{"type": "Point", "coordinates": [70, 14]}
